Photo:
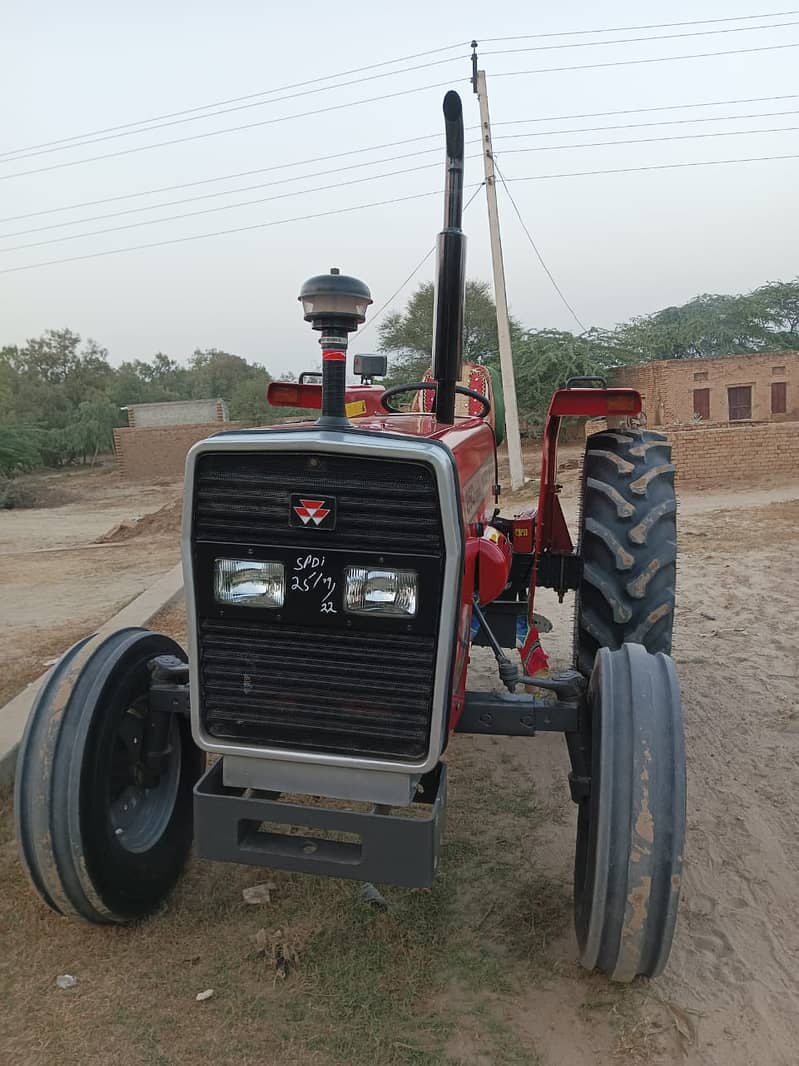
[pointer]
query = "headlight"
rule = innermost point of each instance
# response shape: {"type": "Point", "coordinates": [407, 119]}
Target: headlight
{"type": "Point", "coordinates": [378, 591]}
{"type": "Point", "coordinates": [249, 583]}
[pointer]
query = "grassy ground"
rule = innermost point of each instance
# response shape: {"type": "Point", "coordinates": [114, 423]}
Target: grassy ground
{"type": "Point", "coordinates": [329, 980]}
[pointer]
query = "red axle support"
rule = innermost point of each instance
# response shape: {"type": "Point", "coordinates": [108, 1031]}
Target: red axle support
{"type": "Point", "coordinates": [551, 532]}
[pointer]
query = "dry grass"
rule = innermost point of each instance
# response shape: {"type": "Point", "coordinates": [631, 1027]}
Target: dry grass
{"type": "Point", "coordinates": [315, 976]}
{"type": "Point", "coordinates": [45, 646]}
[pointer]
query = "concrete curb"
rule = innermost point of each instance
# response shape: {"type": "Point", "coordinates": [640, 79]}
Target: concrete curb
{"type": "Point", "coordinates": [138, 612]}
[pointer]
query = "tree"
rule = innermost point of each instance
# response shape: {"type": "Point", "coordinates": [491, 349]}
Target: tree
{"type": "Point", "coordinates": [50, 357]}
{"type": "Point", "coordinates": [544, 360]}
{"type": "Point", "coordinates": [408, 335]}
{"type": "Point", "coordinates": [710, 325]}
{"type": "Point", "coordinates": [247, 402]}
{"type": "Point", "coordinates": [214, 373]}
{"type": "Point", "coordinates": [20, 449]}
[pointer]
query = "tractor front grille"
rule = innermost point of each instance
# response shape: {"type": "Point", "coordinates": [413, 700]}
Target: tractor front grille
{"type": "Point", "coordinates": [317, 690]}
{"type": "Point", "coordinates": [383, 505]}
{"type": "Point", "coordinates": [300, 681]}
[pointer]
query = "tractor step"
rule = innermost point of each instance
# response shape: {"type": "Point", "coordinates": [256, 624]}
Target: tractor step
{"type": "Point", "coordinates": [392, 845]}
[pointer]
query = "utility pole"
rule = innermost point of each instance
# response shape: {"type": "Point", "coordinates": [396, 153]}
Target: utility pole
{"type": "Point", "coordinates": [512, 434]}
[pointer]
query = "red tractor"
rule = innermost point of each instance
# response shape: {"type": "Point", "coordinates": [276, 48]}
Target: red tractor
{"type": "Point", "coordinates": [337, 572]}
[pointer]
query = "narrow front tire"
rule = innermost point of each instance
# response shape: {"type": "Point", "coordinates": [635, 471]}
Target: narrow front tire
{"type": "Point", "coordinates": [102, 835]}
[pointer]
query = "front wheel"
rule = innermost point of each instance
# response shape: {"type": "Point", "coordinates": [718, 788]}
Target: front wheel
{"type": "Point", "coordinates": [104, 829]}
{"type": "Point", "coordinates": [631, 818]}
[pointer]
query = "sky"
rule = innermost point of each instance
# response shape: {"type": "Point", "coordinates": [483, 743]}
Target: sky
{"type": "Point", "coordinates": [618, 244]}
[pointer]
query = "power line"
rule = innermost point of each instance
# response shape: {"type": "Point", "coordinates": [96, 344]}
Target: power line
{"type": "Point", "coordinates": [229, 110]}
{"type": "Point", "coordinates": [651, 59]}
{"type": "Point", "coordinates": [654, 166]}
{"type": "Point", "coordinates": [226, 129]}
{"type": "Point", "coordinates": [427, 137]}
{"type": "Point", "coordinates": [221, 233]}
{"type": "Point", "coordinates": [231, 192]}
{"type": "Point", "coordinates": [539, 256]}
{"type": "Point", "coordinates": [384, 203]}
{"type": "Point", "coordinates": [374, 66]}
{"type": "Point", "coordinates": [222, 177]}
{"type": "Point", "coordinates": [232, 100]}
{"type": "Point", "coordinates": [650, 26]}
{"type": "Point", "coordinates": [646, 110]}
{"type": "Point", "coordinates": [640, 125]}
{"type": "Point", "coordinates": [337, 185]}
{"type": "Point", "coordinates": [397, 291]}
{"type": "Point", "coordinates": [395, 158]}
{"type": "Point", "coordinates": [213, 210]}
{"type": "Point", "coordinates": [648, 140]}
{"type": "Point", "coordinates": [385, 96]}
{"type": "Point", "coordinates": [636, 40]}
{"type": "Point", "coordinates": [373, 318]}
{"type": "Point", "coordinates": [180, 118]}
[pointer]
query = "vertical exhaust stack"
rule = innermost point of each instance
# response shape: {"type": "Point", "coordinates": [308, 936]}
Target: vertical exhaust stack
{"type": "Point", "coordinates": [451, 269]}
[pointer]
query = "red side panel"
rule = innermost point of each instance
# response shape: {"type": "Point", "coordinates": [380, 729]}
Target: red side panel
{"type": "Point", "coordinates": [361, 400]}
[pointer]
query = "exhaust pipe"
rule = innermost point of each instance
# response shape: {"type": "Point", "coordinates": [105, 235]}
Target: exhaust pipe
{"type": "Point", "coordinates": [451, 269]}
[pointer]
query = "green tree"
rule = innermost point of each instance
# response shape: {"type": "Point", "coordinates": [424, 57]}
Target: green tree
{"type": "Point", "coordinates": [408, 335]}
{"type": "Point", "coordinates": [544, 360]}
{"type": "Point", "coordinates": [766, 319]}
{"type": "Point", "coordinates": [51, 357]}
{"type": "Point", "coordinates": [247, 402]}
{"type": "Point", "coordinates": [20, 449]}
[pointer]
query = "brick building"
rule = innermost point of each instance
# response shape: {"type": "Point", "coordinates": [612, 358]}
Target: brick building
{"type": "Point", "coordinates": [158, 435]}
{"type": "Point", "coordinates": [761, 388]}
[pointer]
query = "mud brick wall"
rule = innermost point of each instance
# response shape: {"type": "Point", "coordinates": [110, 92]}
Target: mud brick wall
{"type": "Point", "coordinates": [742, 453]}
{"type": "Point", "coordinates": [151, 452]}
{"type": "Point", "coordinates": [667, 386]}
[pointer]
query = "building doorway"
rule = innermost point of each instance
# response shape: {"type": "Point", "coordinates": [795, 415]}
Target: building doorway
{"type": "Point", "coordinates": [702, 404]}
{"type": "Point", "coordinates": [739, 400]}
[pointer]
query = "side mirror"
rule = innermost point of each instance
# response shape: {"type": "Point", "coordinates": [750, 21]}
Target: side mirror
{"type": "Point", "coordinates": [370, 366]}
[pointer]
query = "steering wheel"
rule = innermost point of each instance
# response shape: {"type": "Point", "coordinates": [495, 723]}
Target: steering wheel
{"type": "Point", "coordinates": [431, 386]}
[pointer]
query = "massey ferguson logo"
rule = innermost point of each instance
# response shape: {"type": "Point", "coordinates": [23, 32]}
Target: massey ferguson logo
{"type": "Point", "coordinates": [319, 513]}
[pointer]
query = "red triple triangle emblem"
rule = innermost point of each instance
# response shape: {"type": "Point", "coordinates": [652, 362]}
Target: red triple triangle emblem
{"type": "Point", "coordinates": [312, 511]}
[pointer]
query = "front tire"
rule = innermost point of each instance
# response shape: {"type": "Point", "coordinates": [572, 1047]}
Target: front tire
{"type": "Point", "coordinates": [631, 823]}
{"type": "Point", "coordinates": [627, 543]}
{"type": "Point", "coordinates": [100, 839]}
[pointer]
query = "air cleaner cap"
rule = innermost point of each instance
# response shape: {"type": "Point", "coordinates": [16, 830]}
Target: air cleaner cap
{"type": "Point", "coordinates": [335, 296]}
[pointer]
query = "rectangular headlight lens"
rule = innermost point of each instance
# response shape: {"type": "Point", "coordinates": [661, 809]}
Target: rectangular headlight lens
{"type": "Point", "coordinates": [249, 583]}
{"type": "Point", "coordinates": [372, 590]}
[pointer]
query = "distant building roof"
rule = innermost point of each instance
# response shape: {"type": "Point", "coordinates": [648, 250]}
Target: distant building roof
{"type": "Point", "coordinates": [177, 413]}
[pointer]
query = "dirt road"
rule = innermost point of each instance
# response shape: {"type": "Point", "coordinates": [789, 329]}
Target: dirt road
{"type": "Point", "coordinates": [480, 971]}
{"type": "Point", "coordinates": [57, 582]}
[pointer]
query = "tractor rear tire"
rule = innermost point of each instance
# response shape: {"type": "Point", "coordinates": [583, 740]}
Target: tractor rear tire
{"type": "Point", "coordinates": [631, 823]}
{"type": "Point", "coordinates": [100, 839]}
{"type": "Point", "coordinates": [627, 543]}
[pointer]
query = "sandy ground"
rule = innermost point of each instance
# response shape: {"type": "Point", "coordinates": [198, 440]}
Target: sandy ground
{"type": "Point", "coordinates": [730, 995]}
{"type": "Point", "coordinates": [57, 583]}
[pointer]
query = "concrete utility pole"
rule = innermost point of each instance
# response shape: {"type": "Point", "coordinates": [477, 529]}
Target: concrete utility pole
{"type": "Point", "coordinates": [512, 435]}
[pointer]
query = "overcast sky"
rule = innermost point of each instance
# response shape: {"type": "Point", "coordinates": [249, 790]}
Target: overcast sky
{"type": "Point", "coordinates": [618, 244]}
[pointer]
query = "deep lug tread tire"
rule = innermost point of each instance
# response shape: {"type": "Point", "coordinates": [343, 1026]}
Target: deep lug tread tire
{"type": "Point", "coordinates": [631, 828]}
{"type": "Point", "coordinates": [628, 544]}
{"type": "Point", "coordinates": [65, 838]}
